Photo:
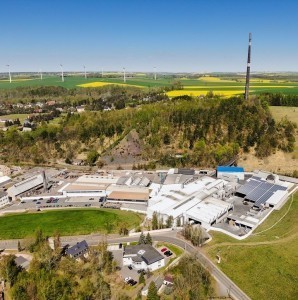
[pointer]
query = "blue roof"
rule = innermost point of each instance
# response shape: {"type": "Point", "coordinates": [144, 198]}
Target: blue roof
{"type": "Point", "coordinates": [229, 169]}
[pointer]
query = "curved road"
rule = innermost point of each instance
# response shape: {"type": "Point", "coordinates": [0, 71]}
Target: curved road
{"type": "Point", "coordinates": [170, 237]}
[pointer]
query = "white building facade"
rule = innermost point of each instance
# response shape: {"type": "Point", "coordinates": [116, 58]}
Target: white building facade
{"type": "Point", "coordinates": [4, 200]}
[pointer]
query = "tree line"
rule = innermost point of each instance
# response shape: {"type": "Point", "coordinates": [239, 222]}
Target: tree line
{"type": "Point", "coordinates": [280, 99]}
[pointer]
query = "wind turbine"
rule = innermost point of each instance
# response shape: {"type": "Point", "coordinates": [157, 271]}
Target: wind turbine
{"type": "Point", "coordinates": [9, 73]}
{"type": "Point", "coordinates": [154, 73]}
{"type": "Point", "coordinates": [124, 78]}
{"type": "Point", "coordinates": [85, 72]}
{"type": "Point", "coordinates": [40, 73]}
{"type": "Point", "coordinates": [101, 72]}
{"type": "Point", "coordinates": [62, 76]}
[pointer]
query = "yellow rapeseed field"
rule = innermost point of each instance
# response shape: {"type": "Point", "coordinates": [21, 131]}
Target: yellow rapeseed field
{"type": "Point", "coordinates": [235, 86]}
{"type": "Point", "coordinates": [213, 79]}
{"type": "Point", "coordinates": [176, 93]}
{"type": "Point", "coordinates": [100, 83]}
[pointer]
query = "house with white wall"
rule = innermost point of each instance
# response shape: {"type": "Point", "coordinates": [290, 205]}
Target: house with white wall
{"type": "Point", "coordinates": [143, 257]}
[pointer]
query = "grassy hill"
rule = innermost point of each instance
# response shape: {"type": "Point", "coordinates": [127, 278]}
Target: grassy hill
{"type": "Point", "coordinates": [265, 264]}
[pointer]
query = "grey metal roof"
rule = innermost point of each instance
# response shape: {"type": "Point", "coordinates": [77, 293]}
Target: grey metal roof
{"type": "Point", "coordinates": [3, 194]}
{"type": "Point", "coordinates": [22, 261]}
{"type": "Point", "coordinates": [146, 252]}
{"type": "Point", "coordinates": [78, 249]}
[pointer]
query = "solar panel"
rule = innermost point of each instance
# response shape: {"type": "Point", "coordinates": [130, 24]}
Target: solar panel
{"type": "Point", "coordinates": [255, 194]}
{"type": "Point", "coordinates": [248, 187]}
{"type": "Point", "coordinates": [263, 199]}
{"type": "Point", "coordinates": [258, 190]}
{"type": "Point", "coordinates": [266, 186]}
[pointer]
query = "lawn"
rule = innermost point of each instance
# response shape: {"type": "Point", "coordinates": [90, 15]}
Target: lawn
{"type": "Point", "coordinates": [21, 117]}
{"type": "Point", "coordinates": [66, 222]}
{"type": "Point", "coordinates": [265, 264]}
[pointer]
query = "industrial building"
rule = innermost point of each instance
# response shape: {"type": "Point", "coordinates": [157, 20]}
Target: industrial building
{"type": "Point", "coordinates": [4, 200]}
{"type": "Point", "coordinates": [127, 193]}
{"type": "Point", "coordinates": [197, 202]}
{"type": "Point", "coordinates": [32, 183]}
{"type": "Point", "coordinates": [262, 192]}
{"type": "Point", "coordinates": [223, 171]}
{"type": "Point", "coordinates": [4, 180]}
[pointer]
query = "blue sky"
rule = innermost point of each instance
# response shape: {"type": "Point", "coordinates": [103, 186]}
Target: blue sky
{"type": "Point", "coordinates": [174, 36]}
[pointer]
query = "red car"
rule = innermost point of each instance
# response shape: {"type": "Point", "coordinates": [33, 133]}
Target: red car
{"type": "Point", "coordinates": [164, 249]}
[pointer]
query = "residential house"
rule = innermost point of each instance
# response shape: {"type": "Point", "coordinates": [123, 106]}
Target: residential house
{"type": "Point", "coordinates": [79, 250]}
{"type": "Point", "coordinates": [144, 257]}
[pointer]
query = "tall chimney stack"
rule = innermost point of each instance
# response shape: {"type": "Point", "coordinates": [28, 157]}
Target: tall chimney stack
{"type": "Point", "coordinates": [45, 184]}
{"type": "Point", "coordinates": [248, 69]}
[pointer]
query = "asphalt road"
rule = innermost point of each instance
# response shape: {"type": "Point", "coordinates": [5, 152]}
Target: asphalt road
{"type": "Point", "coordinates": [171, 237]}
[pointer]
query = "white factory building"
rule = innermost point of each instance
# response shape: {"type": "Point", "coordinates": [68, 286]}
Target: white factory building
{"type": "Point", "coordinates": [196, 202]}
{"type": "Point", "coordinates": [4, 180]}
{"type": "Point", "coordinates": [4, 200]}
{"type": "Point", "coordinates": [125, 189]}
{"type": "Point", "coordinates": [27, 185]}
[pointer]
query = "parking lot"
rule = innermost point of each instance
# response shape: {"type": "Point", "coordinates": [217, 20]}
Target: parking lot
{"type": "Point", "coordinates": [43, 203]}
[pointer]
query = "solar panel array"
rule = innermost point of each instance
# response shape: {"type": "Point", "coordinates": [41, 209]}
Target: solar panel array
{"type": "Point", "coordinates": [248, 187]}
{"type": "Point", "coordinates": [258, 190]}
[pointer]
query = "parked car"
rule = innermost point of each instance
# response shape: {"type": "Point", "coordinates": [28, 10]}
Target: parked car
{"type": "Point", "coordinates": [164, 249]}
{"type": "Point", "coordinates": [34, 200]}
{"type": "Point", "coordinates": [38, 202]}
{"type": "Point", "coordinates": [127, 279]}
{"type": "Point", "coordinates": [168, 253]}
{"type": "Point", "coordinates": [91, 198]}
{"type": "Point", "coordinates": [130, 267]}
{"type": "Point", "coordinates": [132, 282]}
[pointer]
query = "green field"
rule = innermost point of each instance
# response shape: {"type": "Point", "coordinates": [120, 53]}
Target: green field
{"type": "Point", "coordinates": [191, 86]}
{"type": "Point", "coordinates": [263, 265]}
{"type": "Point", "coordinates": [66, 222]}
{"type": "Point", "coordinates": [21, 117]}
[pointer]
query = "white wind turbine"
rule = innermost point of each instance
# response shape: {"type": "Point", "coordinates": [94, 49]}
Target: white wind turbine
{"type": "Point", "coordinates": [124, 78]}
{"type": "Point", "coordinates": [9, 75]}
{"type": "Point", "coordinates": [62, 75]}
{"type": "Point", "coordinates": [85, 72]}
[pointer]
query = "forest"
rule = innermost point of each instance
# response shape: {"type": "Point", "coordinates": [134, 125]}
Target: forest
{"type": "Point", "coordinates": [280, 99]}
{"type": "Point", "coordinates": [178, 132]}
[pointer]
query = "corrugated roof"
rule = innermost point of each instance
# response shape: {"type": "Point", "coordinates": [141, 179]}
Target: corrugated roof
{"type": "Point", "coordinates": [2, 194]}
{"type": "Point", "coordinates": [129, 196]}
